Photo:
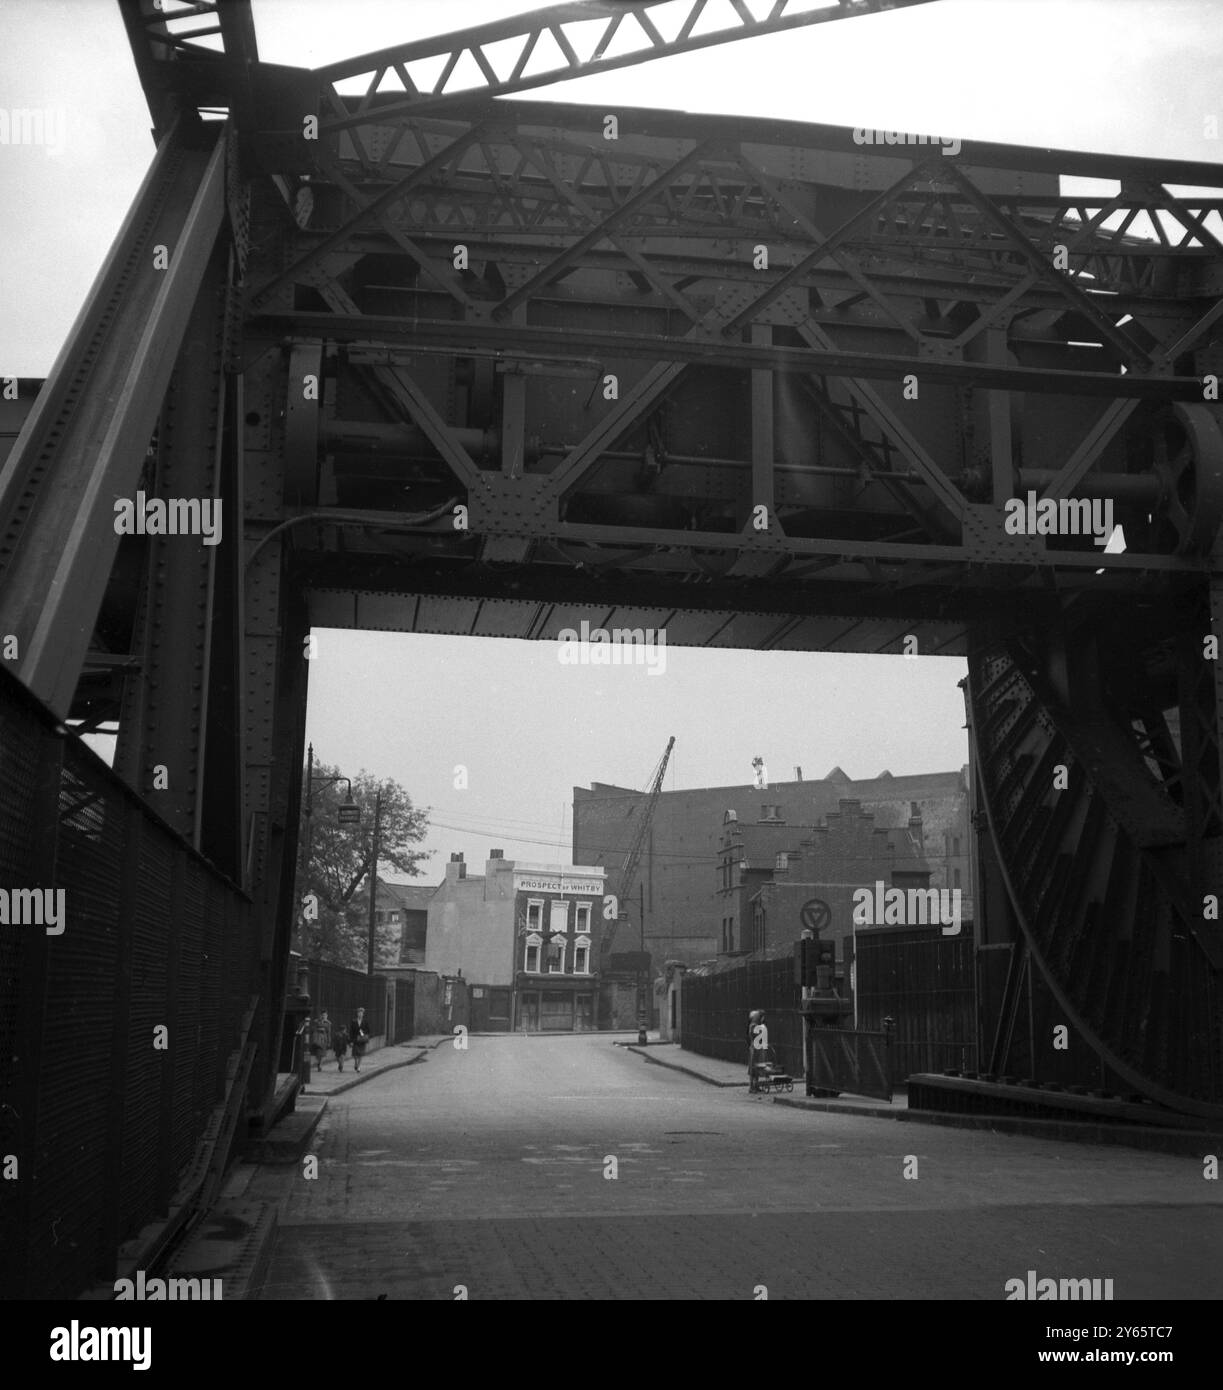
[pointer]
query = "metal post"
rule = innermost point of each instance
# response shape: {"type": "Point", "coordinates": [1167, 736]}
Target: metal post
{"type": "Point", "coordinates": [642, 1016]}
{"type": "Point", "coordinates": [857, 972]}
{"type": "Point", "coordinates": [309, 803]}
{"type": "Point", "coordinates": [308, 847]}
{"type": "Point", "coordinates": [373, 881]}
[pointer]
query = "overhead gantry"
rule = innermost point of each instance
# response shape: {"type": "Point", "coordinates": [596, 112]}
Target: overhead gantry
{"type": "Point", "coordinates": [458, 363]}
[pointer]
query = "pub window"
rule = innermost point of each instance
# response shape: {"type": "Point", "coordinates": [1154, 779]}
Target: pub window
{"type": "Point", "coordinates": [583, 917]}
{"type": "Point", "coordinates": [581, 958]}
{"type": "Point", "coordinates": [535, 914]}
{"type": "Point", "coordinates": [531, 959]}
{"type": "Point", "coordinates": [556, 958]}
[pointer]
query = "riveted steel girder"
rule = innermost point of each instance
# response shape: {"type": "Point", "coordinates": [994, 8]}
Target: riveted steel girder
{"type": "Point", "coordinates": [83, 445]}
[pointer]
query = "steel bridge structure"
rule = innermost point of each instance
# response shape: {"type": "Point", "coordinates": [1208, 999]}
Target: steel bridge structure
{"type": "Point", "coordinates": [451, 361]}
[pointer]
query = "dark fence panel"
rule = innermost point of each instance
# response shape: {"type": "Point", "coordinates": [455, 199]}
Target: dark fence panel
{"type": "Point", "coordinates": [717, 998]}
{"type": "Point", "coordinates": [342, 992]}
{"type": "Point", "coordinates": [925, 982]}
{"type": "Point", "coordinates": [103, 1124]}
{"type": "Point", "coordinates": [405, 1008]}
{"type": "Point", "coordinates": [147, 1010]}
{"type": "Point", "coordinates": [429, 1005]}
{"type": "Point", "coordinates": [848, 1059]}
{"type": "Point", "coordinates": [922, 979]}
{"type": "Point", "coordinates": [184, 1059]}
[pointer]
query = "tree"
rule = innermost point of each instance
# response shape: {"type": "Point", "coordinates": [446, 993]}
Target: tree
{"type": "Point", "coordinates": [336, 860]}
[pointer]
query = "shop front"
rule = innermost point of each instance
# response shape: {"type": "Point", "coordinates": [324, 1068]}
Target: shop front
{"type": "Point", "coordinates": [556, 1010]}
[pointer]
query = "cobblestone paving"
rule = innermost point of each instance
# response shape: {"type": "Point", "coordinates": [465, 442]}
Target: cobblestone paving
{"type": "Point", "coordinates": [489, 1169]}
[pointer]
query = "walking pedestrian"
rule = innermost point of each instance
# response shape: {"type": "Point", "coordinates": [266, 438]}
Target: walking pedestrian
{"type": "Point", "coordinates": [320, 1038]}
{"type": "Point", "coordinates": [359, 1036]}
{"type": "Point", "coordinates": [339, 1045]}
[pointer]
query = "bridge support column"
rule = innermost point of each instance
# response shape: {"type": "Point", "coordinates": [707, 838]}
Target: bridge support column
{"type": "Point", "coordinates": [183, 636]}
{"type": "Point", "coordinates": [276, 684]}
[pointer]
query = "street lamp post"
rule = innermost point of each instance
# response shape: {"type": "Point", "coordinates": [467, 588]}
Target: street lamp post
{"type": "Point", "coordinates": [349, 813]}
{"type": "Point", "coordinates": [373, 881]}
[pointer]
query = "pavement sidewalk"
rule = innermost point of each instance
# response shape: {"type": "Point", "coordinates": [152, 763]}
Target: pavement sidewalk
{"type": "Point", "coordinates": [717, 1072]}
{"type": "Point", "coordinates": [1150, 1137]}
{"type": "Point", "coordinates": [331, 1081]}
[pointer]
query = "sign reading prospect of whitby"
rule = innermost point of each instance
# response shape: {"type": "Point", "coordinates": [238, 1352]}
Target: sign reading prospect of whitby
{"type": "Point", "coordinates": [556, 883]}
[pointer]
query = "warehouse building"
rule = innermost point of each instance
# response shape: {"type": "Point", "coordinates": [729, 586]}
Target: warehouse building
{"type": "Point", "coordinates": [685, 910]}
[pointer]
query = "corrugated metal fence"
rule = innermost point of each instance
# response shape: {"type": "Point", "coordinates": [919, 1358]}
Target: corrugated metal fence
{"type": "Point", "coordinates": [102, 1121]}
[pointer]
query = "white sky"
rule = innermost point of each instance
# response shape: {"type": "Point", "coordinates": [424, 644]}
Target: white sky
{"type": "Point", "coordinates": [1138, 77]}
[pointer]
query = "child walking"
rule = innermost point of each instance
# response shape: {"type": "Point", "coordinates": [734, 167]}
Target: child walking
{"type": "Point", "coordinates": [360, 1036]}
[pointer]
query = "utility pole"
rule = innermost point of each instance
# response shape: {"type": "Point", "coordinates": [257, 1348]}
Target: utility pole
{"type": "Point", "coordinates": [373, 881]}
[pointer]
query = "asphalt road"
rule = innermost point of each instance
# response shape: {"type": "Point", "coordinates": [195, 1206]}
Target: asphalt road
{"type": "Point", "coordinates": [565, 1167]}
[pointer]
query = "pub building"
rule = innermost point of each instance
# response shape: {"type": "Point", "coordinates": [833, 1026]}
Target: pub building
{"type": "Point", "coordinates": [557, 916]}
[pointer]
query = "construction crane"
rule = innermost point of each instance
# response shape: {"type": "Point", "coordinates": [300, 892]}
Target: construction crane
{"type": "Point", "coordinates": [632, 860]}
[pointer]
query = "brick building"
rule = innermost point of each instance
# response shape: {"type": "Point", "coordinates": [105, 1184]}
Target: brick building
{"type": "Point", "coordinates": [524, 937]}
{"type": "Point", "coordinates": [768, 869]}
{"type": "Point", "coordinates": [684, 909]}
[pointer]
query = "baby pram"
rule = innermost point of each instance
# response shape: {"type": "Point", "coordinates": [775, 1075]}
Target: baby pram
{"type": "Point", "coordinates": [764, 1073]}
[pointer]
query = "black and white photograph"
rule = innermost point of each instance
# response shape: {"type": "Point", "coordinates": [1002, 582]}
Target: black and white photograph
{"type": "Point", "coordinates": [609, 672]}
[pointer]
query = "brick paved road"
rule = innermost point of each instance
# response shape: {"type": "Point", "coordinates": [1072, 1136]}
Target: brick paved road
{"type": "Point", "coordinates": [486, 1169]}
